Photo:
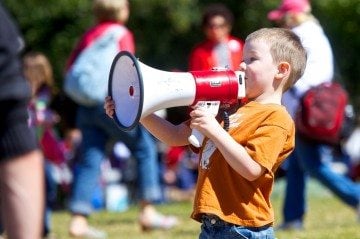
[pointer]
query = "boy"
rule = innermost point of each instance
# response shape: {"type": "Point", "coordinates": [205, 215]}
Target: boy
{"type": "Point", "coordinates": [236, 168]}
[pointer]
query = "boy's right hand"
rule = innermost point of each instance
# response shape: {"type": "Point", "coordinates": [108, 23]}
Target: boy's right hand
{"type": "Point", "coordinates": [109, 106]}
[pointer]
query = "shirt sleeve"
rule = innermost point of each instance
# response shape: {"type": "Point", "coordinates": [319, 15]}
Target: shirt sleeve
{"type": "Point", "coordinates": [127, 43]}
{"type": "Point", "coordinates": [192, 62]}
{"type": "Point", "coordinates": [266, 145]}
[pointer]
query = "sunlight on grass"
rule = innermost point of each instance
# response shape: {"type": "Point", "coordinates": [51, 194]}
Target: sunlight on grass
{"type": "Point", "coordinates": [327, 218]}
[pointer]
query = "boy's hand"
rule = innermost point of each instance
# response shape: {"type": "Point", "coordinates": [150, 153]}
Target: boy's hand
{"type": "Point", "coordinates": [109, 106]}
{"type": "Point", "coordinates": [204, 121]}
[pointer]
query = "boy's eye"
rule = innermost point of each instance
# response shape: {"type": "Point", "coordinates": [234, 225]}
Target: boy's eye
{"type": "Point", "coordinates": [249, 60]}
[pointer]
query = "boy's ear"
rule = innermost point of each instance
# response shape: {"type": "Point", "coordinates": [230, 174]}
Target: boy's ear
{"type": "Point", "coordinates": [283, 70]}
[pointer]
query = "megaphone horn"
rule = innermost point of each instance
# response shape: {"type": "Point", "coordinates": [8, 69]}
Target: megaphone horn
{"type": "Point", "coordinates": [139, 90]}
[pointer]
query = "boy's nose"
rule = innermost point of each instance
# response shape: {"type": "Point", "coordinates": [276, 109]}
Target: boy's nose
{"type": "Point", "coordinates": [242, 66]}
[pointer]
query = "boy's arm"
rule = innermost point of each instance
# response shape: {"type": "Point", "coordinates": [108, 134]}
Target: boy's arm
{"type": "Point", "coordinates": [172, 135]}
{"type": "Point", "coordinates": [168, 133]}
{"type": "Point", "coordinates": [236, 156]}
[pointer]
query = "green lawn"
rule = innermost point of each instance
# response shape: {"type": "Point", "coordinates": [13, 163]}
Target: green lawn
{"type": "Point", "coordinates": [327, 218]}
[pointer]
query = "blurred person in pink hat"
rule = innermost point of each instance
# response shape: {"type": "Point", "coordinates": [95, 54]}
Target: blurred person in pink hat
{"type": "Point", "coordinates": [309, 158]}
{"type": "Point", "coordinates": [289, 6]}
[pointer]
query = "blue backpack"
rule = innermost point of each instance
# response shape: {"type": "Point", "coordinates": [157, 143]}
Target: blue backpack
{"type": "Point", "coordinates": [87, 79]}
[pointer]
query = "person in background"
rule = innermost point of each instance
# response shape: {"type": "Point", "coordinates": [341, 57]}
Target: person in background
{"type": "Point", "coordinates": [309, 157]}
{"type": "Point", "coordinates": [21, 161]}
{"type": "Point", "coordinates": [220, 48]}
{"type": "Point", "coordinates": [97, 129]}
{"type": "Point", "coordinates": [237, 167]}
{"type": "Point", "coordinates": [38, 71]}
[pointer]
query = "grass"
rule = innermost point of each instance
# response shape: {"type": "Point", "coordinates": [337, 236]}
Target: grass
{"type": "Point", "coordinates": [327, 218]}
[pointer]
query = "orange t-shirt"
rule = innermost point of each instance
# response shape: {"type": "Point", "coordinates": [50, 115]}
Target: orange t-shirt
{"type": "Point", "coordinates": [267, 132]}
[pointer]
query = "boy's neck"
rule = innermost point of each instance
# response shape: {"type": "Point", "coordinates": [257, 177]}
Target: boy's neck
{"type": "Point", "coordinates": [274, 98]}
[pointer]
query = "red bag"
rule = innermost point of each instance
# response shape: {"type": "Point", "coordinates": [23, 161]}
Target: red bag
{"type": "Point", "coordinates": [322, 112]}
{"type": "Point", "coordinates": [51, 147]}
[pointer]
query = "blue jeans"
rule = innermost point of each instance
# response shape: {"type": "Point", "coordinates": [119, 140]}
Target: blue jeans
{"type": "Point", "coordinates": [214, 228]}
{"type": "Point", "coordinates": [50, 196]}
{"type": "Point", "coordinates": [97, 128]}
{"type": "Point", "coordinates": [313, 159]}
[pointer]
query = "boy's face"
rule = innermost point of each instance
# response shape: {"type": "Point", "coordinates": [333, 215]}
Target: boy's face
{"type": "Point", "coordinates": [259, 69]}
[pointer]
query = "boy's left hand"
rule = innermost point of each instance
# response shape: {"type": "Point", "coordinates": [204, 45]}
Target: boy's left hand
{"type": "Point", "coordinates": [109, 106]}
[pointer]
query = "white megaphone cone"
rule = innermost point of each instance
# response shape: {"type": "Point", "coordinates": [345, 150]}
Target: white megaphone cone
{"type": "Point", "coordinates": [139, 90]}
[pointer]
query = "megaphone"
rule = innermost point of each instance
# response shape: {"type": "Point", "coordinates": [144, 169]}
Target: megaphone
{"type": "Point", "coordinates": [139, 90]}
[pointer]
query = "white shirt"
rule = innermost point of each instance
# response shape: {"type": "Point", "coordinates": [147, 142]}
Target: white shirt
{"type": "Point", "coordinates": [319, 67]}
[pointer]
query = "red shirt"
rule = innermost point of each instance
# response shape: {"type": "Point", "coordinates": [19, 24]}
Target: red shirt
{"type": "Point", "coordinates": [203, 56]}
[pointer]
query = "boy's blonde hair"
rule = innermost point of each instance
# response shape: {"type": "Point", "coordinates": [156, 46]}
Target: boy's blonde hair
{"type": "Point", "coordinates": [109, 10]}
{"type": "Point", "coordinates": [284, 46]}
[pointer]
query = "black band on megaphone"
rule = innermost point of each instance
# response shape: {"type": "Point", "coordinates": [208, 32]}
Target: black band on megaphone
{"type": "Point", "coordinates": [125, 86]}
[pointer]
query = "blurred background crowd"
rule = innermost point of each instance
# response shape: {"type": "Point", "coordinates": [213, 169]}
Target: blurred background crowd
{"type": "Point", "coordinates": [52, 29]}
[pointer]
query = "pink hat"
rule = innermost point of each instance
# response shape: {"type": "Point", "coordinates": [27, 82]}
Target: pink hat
{"type": "Point", "coordinates": [289, 6]}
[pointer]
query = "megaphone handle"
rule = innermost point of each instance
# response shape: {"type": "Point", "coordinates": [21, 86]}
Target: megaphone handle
{"type": "Point", "coordinates": [196, 138]}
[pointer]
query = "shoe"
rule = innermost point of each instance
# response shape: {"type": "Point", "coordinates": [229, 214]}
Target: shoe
{"type": "Point", "coordinates": [90, 233]}
{"type": "Point", "coordinates": [79, 228]}
{"type": "Point", "coordinates": [295, 225]}
{"type": "Point", "coordinates": [93, 233]}
{"type": "Point", "coordinates": [154, 220]}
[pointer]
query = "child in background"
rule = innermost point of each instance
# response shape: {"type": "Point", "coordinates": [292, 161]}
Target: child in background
{"type": "Point", "coordinates": [38, 72]}
{"type": "Point", "coordinates": [237, 168]}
